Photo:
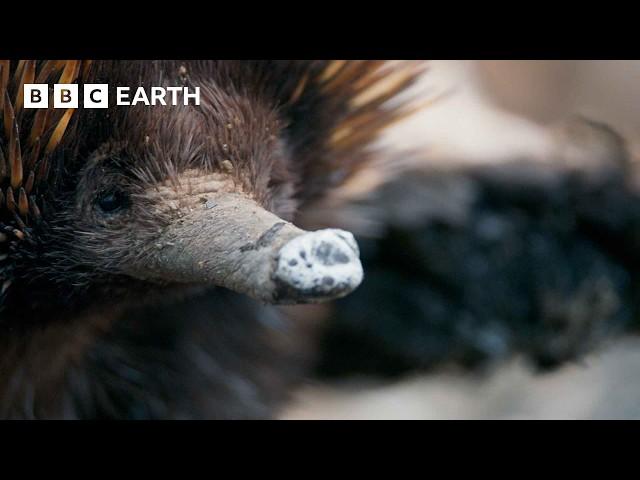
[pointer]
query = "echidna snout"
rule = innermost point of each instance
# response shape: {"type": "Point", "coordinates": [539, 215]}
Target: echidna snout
{"type": "Point", "coordinates": [233, 242]}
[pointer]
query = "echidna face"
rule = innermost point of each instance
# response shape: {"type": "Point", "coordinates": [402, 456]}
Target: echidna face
{"type": "Point", "coordinates": [188, 196]}
{"type": "Point", "coordinates": [204, 194]}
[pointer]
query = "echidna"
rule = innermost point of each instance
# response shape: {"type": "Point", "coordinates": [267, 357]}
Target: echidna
{"type": "Point", "coordinates": [118, 224]}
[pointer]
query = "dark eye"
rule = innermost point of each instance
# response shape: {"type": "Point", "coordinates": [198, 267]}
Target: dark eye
{"type": "Point", "coordinates": [112, 201]}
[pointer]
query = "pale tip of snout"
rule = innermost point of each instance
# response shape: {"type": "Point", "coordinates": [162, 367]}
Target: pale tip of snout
{"type": "Point", "coordinates": [318, 266]}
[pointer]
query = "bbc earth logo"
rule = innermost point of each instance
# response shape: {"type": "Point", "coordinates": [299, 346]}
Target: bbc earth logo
{"type": "Point", "coordinates": [96, 95]}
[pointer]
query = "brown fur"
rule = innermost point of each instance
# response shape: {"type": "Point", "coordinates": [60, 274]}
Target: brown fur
{"type": "Point", "coordinates": [285, 132]}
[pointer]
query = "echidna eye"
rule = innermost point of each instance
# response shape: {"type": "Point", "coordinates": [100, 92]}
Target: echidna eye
{"type": "Point", "coordinates": [112, 201]}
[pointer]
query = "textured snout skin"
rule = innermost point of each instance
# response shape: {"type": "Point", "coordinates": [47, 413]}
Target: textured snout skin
{"type": "Point", "coordinates": [234, 243]}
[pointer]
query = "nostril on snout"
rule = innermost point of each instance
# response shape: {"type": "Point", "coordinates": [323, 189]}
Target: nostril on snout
{"type": "Point", "coordinates": [319, 266]}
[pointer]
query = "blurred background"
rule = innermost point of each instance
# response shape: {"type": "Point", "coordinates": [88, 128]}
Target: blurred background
{"type": "Point", "coordinates": [489, 111]}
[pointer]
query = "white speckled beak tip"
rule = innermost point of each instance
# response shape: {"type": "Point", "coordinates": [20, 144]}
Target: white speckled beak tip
{"type": "Point", "coordinates": [320, 265]}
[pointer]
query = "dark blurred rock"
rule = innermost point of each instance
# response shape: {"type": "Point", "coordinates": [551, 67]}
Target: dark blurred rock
{"type": "Point", "coordinates": [473, 264]}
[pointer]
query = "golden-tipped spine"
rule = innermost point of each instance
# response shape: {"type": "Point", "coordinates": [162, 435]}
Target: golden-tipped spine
{"type": "Point", "coordinates": [27, 140]}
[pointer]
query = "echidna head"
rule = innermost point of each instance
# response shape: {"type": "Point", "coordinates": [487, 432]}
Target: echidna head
{"type": "Point", "coordinates": [204, 195]}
